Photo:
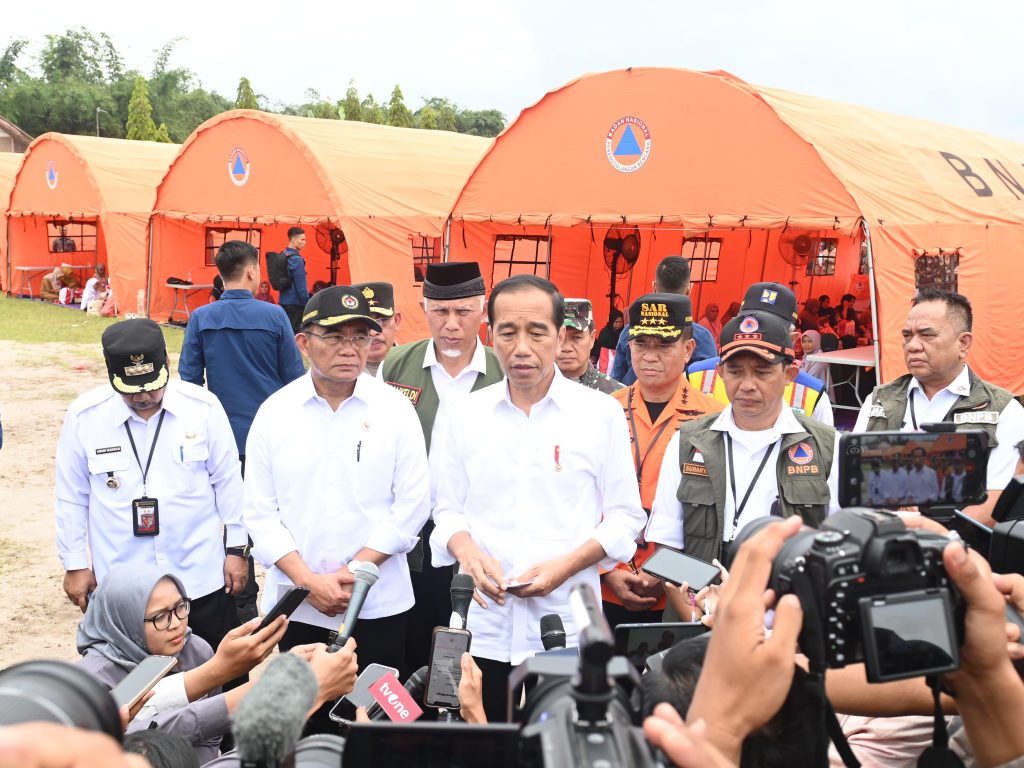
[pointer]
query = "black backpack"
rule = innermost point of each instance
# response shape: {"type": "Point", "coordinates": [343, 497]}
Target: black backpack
{"type": "Point", "coordinates": [277, 271]}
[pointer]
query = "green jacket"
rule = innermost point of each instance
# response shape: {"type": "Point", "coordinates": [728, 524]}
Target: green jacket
{"type": "Point", "coordinates": [404, 370]}
{"type": "Point", "coordinates": [980, 409]}
{"type": "Point", "coordinates": [803, 488]}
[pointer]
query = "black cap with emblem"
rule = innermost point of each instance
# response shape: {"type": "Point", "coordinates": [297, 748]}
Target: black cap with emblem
{"type": "Point", "coordinates": [763, 333]}
{"type": "Point", "coordinates": [380, 297]}
{"type": "Point", "coordinates": [136, 356]}
{"type": "Point", "coordinates": [336, 305]}
{"type": "Point", "coordinates": [771, 297]}
{"type": "Point", "coordinates": [660, 314]}
{"type": "Point", "coordinates": [453, 280]}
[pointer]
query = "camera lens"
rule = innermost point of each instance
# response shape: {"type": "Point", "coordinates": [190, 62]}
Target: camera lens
{"type": "Point", "coordinates": [55, 692]}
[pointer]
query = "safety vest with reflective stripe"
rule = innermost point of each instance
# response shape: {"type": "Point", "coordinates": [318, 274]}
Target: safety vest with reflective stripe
{"type": "Point", "coordinates": [801, 395]}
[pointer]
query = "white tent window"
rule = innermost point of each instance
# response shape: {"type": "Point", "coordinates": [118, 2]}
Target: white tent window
{"type": "Point", "coordinates": [64, 236]}
{"type": "Point", "coordinates": [936, 268]}
{"type": "Point", "coordinates": [703, 253]}
{"type": "Point", "coordinates": [520, 255]}
{"type": "Point", "coordinates": [217, 236]}
{"type": "Point", "coordinates": [824, 263]}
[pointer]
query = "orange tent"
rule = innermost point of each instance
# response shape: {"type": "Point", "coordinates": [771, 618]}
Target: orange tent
{"type": "Point", "coordinates": [251, 175]}
{"type": "Point", "coordinates": [752, 184]}
{"type": "Point", "coordinates": [84, 200]}
{"type": "Point", "coordinates": [9, 162]}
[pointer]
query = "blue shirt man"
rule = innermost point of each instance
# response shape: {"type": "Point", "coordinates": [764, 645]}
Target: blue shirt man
{"type": "Point", "coordinates": [246, 347]}
{"type": "Point", "coordinates": [293, 298]}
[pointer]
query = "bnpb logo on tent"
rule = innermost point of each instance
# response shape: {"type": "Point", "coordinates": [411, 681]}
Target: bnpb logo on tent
{"type": "Point", "coordinates": [238, 167]}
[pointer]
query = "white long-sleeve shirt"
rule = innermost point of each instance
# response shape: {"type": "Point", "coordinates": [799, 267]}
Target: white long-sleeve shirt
{"type": "Point", "coordinates": [195, 477]}
{"type": "Point", "coordinates": [666, 523]}
{"type": "Point", "coordinates": [533, 488]}
{"type": "Point", "coordinates": [327, 483]}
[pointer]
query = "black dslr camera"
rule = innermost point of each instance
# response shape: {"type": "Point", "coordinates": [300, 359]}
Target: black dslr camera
{"type": "Point", "coordinates": [871, 591]}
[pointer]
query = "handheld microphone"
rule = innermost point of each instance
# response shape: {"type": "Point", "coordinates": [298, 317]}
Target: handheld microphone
{"type": "Point", "coordinates": [552, 631]}
{"type": "Point", "coordinates": [366, 576]}
{"type": "Point", "coordinates": [269, 720]}
{"type": "Point", "coordinates": [462, 593]}
{"type": "Point", "coordinates": [414, 686]}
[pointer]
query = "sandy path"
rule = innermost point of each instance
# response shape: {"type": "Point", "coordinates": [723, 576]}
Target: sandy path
{"type": "Point", "coordinates": [37, 383]}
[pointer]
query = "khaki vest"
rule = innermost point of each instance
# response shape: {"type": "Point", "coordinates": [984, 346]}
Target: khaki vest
{"type": "Point", "coordinates": [403, 370]}
{"type": "Point", "coordinates": [803, 488]}
{"type": "Point", "coordinates": [892, 398]}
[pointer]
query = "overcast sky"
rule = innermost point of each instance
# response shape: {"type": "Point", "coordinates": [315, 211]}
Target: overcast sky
{"type": "Point", "coordinates": [954, 62]}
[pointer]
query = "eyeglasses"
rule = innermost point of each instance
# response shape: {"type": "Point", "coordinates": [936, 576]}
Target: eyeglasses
{"type": "Point", "coordinates": [162, 620]}
{"type": "Point", "coordinates": [652, 345]}
{"type": "Point", "coordinates": [336, 340]}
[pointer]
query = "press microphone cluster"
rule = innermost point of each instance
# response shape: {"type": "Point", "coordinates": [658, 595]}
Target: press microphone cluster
{"type": "Point", "coordinates": [269, 720]}
{"type": "Point", "coordinates": [462, 594]}
{"type": "Point", "coordinates": [366, 576]}
{"type": "Point", "coordinates": [414, 686]}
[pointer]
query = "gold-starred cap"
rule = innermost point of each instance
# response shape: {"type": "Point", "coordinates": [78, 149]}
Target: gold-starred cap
{"type": "Point", "coordinates": [660, 314]}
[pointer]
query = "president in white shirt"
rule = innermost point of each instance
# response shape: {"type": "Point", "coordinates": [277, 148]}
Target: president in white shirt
{"type": "Point", "coordinates": [536, 487]}
{"type": "Point", "coordinates": [336, 472]}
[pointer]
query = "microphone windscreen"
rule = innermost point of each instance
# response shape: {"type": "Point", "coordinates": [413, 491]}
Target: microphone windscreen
{"type": "Point", "coordinates": [463, 582]}
{"type": "Point", "coordinates": [552, 631]}
{"type": "Point", "coordinates": [268, 721]}
{"type": "Point", "coordinates": [367, 572]}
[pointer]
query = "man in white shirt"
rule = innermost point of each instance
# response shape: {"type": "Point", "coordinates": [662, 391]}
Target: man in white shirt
{"type": "Point", "coordinates": [876, 484]}
{"type": "Point", "coordinates": [435, 373]}
{"type": "Point", "coordinates": [536, 487]}
{"type": "Point", "coordinates": [758, 457]}
{"type": "Point", "coordinates": [922, 480]}
{"type": "Point", "coordinates": [953, 484]}
{"type": "Point", "coordinates": [894, 484]}
{"type": "Point", "coordinates": [147, 471]}
{"type": "Point", "coordinates": [336, 472]}
{"type": "Point", "coordinates": [940, 386]}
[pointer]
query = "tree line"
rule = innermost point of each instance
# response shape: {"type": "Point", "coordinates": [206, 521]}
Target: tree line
{"type": "Point", "coordinates": [78, 84]}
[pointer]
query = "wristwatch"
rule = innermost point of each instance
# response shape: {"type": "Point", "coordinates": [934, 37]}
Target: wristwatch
{"type": "Point", "coordinates": [242, 552]}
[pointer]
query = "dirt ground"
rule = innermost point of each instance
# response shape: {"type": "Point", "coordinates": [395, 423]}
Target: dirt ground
{"type": "Point", "coordinates": [39, 381]}
{"type": "Point", "coordinates": [37, 384]}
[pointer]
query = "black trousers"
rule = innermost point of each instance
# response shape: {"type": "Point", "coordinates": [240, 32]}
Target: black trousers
{"type": "Point", "coordinates": [294, 312]}
{"type": "Point", "coordinates": [211, 617]}
{"type": "Point", "coordinates": [619, 614]}
{"type": "Point", "coordinates": [378, 641]}
{"type": "Point", "coordinates": [432, 590]}
{"type": "Point", "coordinates": [495, 688]}
{"type": "Point", "coordinates": [246, 600]}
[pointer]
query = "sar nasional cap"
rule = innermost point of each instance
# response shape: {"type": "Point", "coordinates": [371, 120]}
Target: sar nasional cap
{"type": "Point", "coordinates": [380, 297]}
{"type": "Point", "coordinates": [660, 314]}
{"type": "Point", "coordinates": [763, 333]}
{"type": "Point", "coordinates": [338, 304]}
{"type": "Point", "coordinates": [136, 356]}
{"type": "Point", "coordinates": [453, 280]}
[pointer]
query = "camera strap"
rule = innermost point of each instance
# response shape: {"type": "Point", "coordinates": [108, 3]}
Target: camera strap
{"type": "Point", "coordinates": [939, 755]}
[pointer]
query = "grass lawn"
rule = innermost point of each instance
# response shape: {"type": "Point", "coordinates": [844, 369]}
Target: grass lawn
{"type": "Point", "coordinates": [36, 321]}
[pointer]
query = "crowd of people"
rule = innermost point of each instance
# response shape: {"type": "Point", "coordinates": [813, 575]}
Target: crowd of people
{"type": "Point", "coordinates": [527, 468]}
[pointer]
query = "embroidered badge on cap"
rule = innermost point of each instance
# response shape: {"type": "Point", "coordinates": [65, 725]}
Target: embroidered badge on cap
{"type": "Point", "coordinates": [769, 296]}
{"type": "Point", "coordinates": [413, 393]}
{"type": "Point", "coordinates": [749, 324]}
{"type": "Point", "coordinates": [368, 292]}
{"type": "Point", "coordinates": [138, 367]}
{"type": "Point", "coordinates": [349, 302]}
{"type": "Point", "coordinates": [801, 453]}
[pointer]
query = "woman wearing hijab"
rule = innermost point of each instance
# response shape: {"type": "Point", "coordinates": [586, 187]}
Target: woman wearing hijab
{"type": "Point", "coordinates": [62, 285]}
{"type": "Point", "coordinates": [139, 611]}
{"type": "Point", "coordinates": [711, 322]}
{"type": "Point", "coordinates": [811, 342]}
{"type": "Point", "coordinates": [263, 294]}
{"type": "Point", "coordinates": [607, 340]}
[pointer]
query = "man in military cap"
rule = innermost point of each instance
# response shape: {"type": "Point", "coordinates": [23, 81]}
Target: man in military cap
{"type": "Point", "coordinates": [757, 457]}
{"type": "Point", "coordinates": [574, 354]}
{"type": "Point", "coordinates": [656, 404]}
{"type": "Point", "coordinates": [147, 472]}
{"type": "Point", "coordinates": [381, 298]}
{"type": "Point", "coordinates": [345, 482]}
{"type": "Point", "coordinates": [435, 374]}
{"type": "Point", "coordinates": [805, 394]}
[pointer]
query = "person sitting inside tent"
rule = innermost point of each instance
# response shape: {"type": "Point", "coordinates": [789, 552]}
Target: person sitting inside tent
{"type": "Point", "coordinates": [263, 293]}
{"type": "Point", "coordinates": [96, 288]}
{"type": "Point", "coordinates": [63, 285]}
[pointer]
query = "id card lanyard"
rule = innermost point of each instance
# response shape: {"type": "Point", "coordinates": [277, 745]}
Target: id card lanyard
{"type": "Point", "coordinates": [741, 505]}
{"type": "Point", "coordinates": [152, 449]}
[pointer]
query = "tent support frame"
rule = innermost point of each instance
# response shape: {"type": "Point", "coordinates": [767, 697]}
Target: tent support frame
{"type": "Point", "coordinates": [874, 300]}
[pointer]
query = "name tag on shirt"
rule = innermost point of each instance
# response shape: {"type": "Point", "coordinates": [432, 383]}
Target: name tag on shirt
{"type": "Point", "coordinates": [413, 393]}
{"type": "Point", "coordinates": [695, 469]}
{"type": "Point", "coordinates": [980, 417]}
{"type": "Point", "coordinates": [876, 411]}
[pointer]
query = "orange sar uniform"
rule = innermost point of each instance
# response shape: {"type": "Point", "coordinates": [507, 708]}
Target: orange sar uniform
{"type": "Point", "coordinates": [648, 443]}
